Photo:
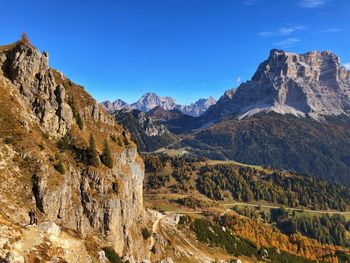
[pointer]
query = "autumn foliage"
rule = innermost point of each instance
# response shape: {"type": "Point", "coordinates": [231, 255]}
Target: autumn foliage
{"type": "Point", "coordinates": [25, 39]}
{"type": "Point", "coordinates": [264, 235]}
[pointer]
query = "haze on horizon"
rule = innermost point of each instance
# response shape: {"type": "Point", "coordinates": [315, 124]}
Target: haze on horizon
{"type": "Point", "coordinates": [184, 49]}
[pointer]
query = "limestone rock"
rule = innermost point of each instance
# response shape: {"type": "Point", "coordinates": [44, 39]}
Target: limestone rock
{"type": "Point", "coordinates": [115, 105]}
{"type": "Point", "coordinates": [14, 257]}
{"type": "Point", "coordinates": [28, 69]}
{"type": "Point", "coordinates": [3, 242]}
{"type": "Point", "coordinates": [197, 108]}
{"type": "Point", "coordinates": [102, 257]}
{"type": "Point", "coordinates": [106, 203]}
{"type": "Point", "coordinates": [151, 100]}
{"type": "Point", "coordinates": [167, 260]}
{"type": "Point", "coordinates": [314, 84]}
{"type": "Point", "coordinates": [50, 228]}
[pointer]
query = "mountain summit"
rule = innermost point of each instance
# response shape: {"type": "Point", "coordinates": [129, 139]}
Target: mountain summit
{"type": "Point", "coordinates": [151, 100]}
{"type": "Point", "coordinates": [197, 108]}
{"type": "Point", "coordinates": [313, 84]}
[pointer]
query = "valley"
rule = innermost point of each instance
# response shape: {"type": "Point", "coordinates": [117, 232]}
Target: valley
{"type": "Point", "coordinates": [172, 194]}
{"type": "Point", "coordinates": [236, 183]}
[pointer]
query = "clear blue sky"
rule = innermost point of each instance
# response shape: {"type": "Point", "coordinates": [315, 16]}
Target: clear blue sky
{"type": "Point", "coordinates": [186, 49]}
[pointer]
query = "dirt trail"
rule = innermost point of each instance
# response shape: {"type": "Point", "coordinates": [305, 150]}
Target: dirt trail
{"type": "Point", "coordinates": [154, 232]}
{"type": "Point", "coordinates": [30, 241]}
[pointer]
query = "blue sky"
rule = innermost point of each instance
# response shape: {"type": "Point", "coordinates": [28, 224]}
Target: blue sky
{"type": "Point", "coordinates": [186, 49]}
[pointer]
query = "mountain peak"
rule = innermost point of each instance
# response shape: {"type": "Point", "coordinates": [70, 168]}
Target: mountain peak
{"type": "Point", "coordinates": [150, 100]}
{"type": "Point", "coordinates": [311, 84]}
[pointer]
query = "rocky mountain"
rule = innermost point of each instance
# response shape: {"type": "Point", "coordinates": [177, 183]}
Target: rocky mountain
{"type": "Point", "coordinates": [197, 108]}
{"type": "Point", "coordinates": [53, 157]}
{"type": "Point", "coordinates": [151, 100]}
{"type": "Point", "coordinates": [65, 156]}
{"type": "Point", "coordinates": [115, 105]}
{"type": "Point", "coordinates": [293, 114]}
{"type": "Point", "coordinates": [148, 134]}
{"type": "Point", "coordinates": [313, 84]}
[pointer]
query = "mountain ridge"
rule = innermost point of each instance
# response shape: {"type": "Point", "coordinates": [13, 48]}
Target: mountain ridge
{"type": "Point", "coordinates": [312, 84]}
{"type": "Point", "coordinates": [150, 100]}
{"type": "Point", "coordinates": [48, 125]}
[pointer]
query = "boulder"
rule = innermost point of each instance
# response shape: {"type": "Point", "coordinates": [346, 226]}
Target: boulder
{"type": "Point", "coordinates": [50, 228]}
{"type": "Point", "coordinates": [14, 257]}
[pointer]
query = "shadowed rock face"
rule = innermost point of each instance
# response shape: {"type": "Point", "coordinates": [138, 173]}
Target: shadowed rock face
{"type": "Point", "coordinates": [312, 84]}
{"type": "Point", "coordinates": [104, 202]}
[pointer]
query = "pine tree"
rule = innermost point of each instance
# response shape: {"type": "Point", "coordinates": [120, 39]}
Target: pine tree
{"type": "Point", "coordinates": [76, 114]}
{"type": "Point", "coordinates": [60, 167]}
{"type": "Point", "coordinates": [92, 154]}
{"type": "Point", "coordinates": [25, 39]}
{"type": "Point", "coordinates": [107, 156]}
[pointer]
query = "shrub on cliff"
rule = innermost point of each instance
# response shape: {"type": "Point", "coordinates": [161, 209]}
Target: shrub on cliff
{"type": "Point", "coordinates": [146, 233]}
{"type": "Point", "coordinates": [76, 114]}
{"type": "Point", "coordinates": [92, 154]}
{"type": "Point", "coordinates": [25, 39]}
{"type": "Point", "coordinates": [106, 157]}
{"type": "Point", "coordinates": [112, 256]}
{"type": "Point", "coordinates": [59, 167]}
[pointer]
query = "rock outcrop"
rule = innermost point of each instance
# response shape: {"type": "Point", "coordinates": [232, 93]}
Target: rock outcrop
{"type": "Point", "coordinates": [41, 108]}
{"type": "Point", "coordinates": [314, 84]}
{"type": "Point", "coordinates": [29, 70]}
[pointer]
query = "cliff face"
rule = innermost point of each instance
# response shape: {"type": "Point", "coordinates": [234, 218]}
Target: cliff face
{"type": "Point", "coordinates": [151, 100]}
{"type": "Point", "coordinates": [312, 84]}
{"type": "Point", "coordinates": [41, 108]}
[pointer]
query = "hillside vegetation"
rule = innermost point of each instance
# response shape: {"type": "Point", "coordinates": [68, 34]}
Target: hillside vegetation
{"type": "Point", "coordinates": [191, 183]}
{"type": "Point", "coordinates": [233, 181]}
{"type": "Point", "coordinates": [304, 145]}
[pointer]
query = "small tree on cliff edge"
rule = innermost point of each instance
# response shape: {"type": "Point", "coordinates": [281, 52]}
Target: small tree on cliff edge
{"type": "Point", "coordinates": [107, 156]}
{"type": "Point", "coordinates": [25, 38]}
{"type": "Point", "coordinates": [92, 154]}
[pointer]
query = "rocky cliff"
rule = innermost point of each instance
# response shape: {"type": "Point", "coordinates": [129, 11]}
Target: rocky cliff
{"type": "Point", "coordinates": [313, 84]}
{"type": "Point", "coordinates": [46, 122]}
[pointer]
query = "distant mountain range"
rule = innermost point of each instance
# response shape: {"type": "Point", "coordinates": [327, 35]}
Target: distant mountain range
{"type": "Point", "coordinates": [293, 114]}
{"type": "Point", "coordinates": [151, 100]}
